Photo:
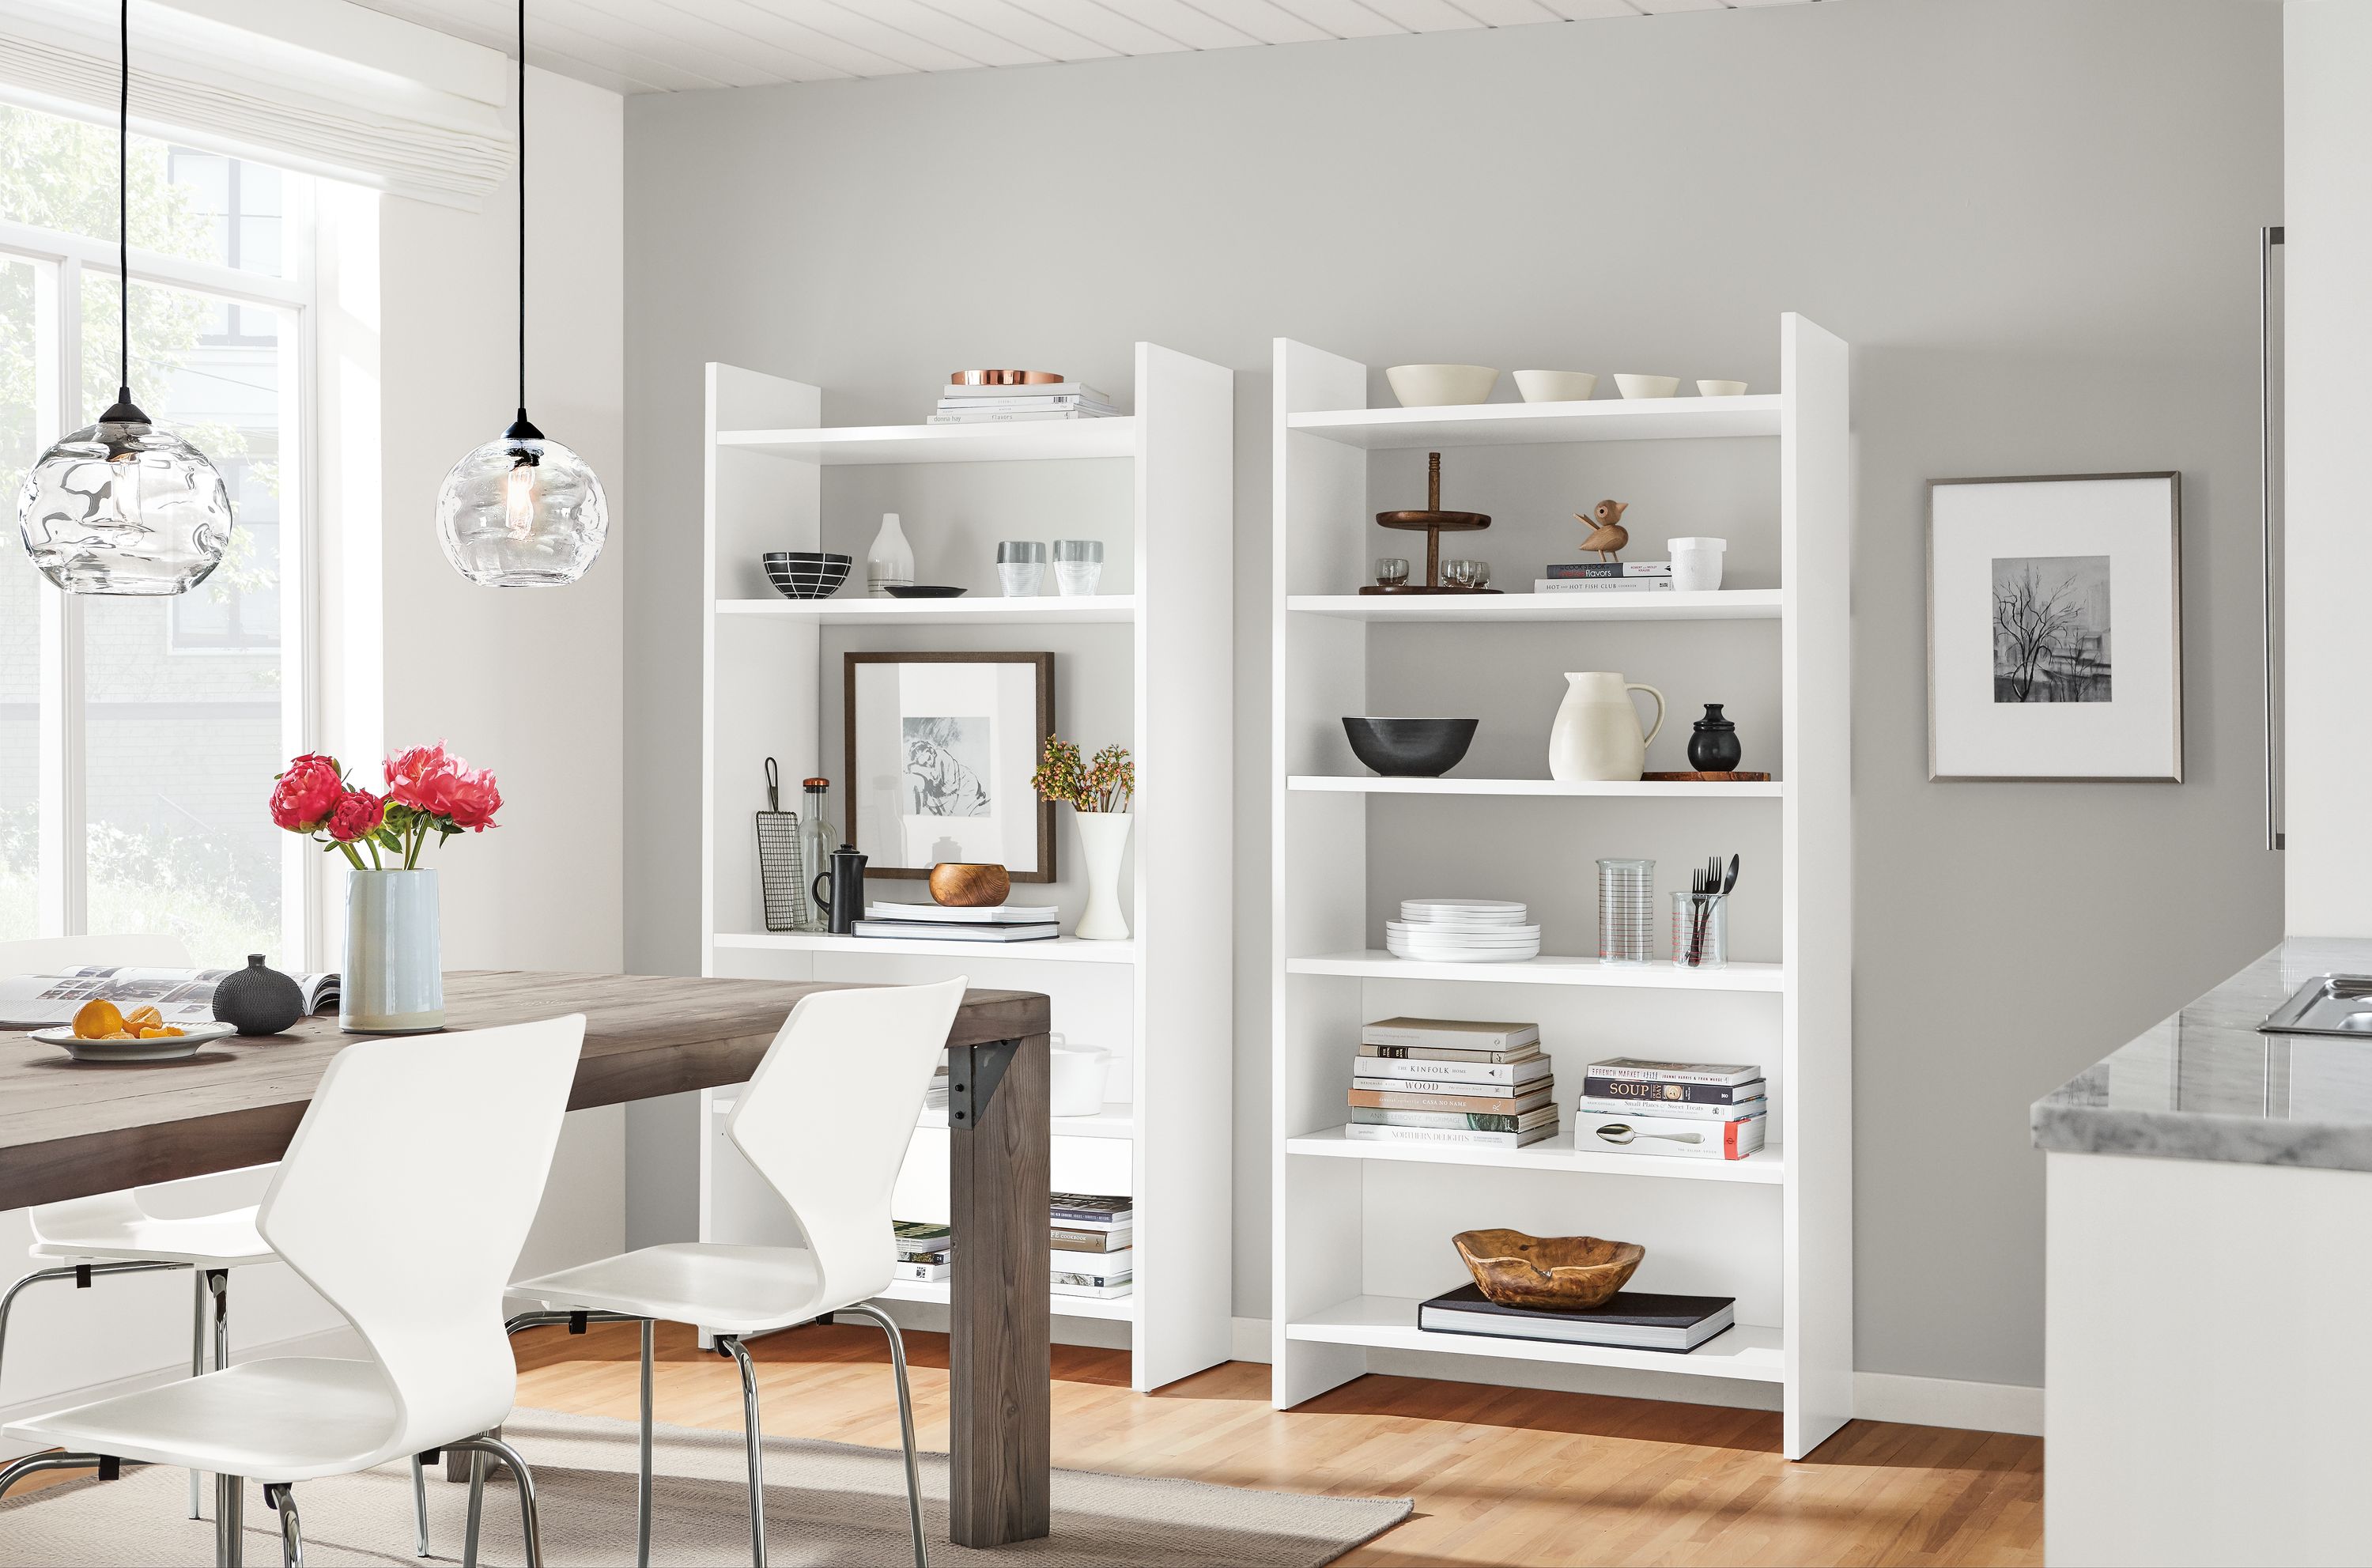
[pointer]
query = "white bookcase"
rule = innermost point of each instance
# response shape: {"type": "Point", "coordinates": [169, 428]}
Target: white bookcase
{"type": "Point", "coordinates": [1361, 1230]}
{"type": "Point", "coordinates": [1146, 661]}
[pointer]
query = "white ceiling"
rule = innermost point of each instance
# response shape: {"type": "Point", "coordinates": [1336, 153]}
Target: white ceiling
{"type": "Point", "coordinates": [686, 46]}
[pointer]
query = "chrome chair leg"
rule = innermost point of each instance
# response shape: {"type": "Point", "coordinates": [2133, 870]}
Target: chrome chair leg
{"type": "Point", "coordinates": [480, 1450]}
{"type": "Point", "coordinates": [477, 1505]}
{"type": "Point", "coordinates": [282, 1497]}
{"type": "Point", "coordinates": [419, 1507]}
{"type": "Point", "coordinates": [643, 1471]}
{"type": "Point", "coordinates": [230, 1521]}
{"type": "Point", "coordinates": [905, 1424]}
{"type": "Point", "coordinates": [197, 1361]}
{"type": "Point", "coordinates": [752, 1437]}
{"type": "Point", "coordinates": [17, 1471]}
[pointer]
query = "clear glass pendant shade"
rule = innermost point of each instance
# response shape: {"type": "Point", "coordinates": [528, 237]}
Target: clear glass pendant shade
{"type": "Point", "coordinates": [522, 512]}
{"type": "Point", "coordinates": [123, 508]}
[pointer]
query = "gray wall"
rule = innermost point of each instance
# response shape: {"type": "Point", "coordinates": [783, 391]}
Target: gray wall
{"type": "Point", "coordinates": [2034, 220]}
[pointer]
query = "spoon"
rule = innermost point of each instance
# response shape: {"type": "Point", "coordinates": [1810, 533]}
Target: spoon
{"type": "Point", "coordinates": [1623, 1132]}
{"type": "Point", "coordinates": [1732, 879]}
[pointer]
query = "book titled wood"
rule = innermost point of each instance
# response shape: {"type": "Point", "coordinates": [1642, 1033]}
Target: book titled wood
{"type": "Point", "coordinates": [1637, 1067]}
{"type": "Point", "coordinates": [1084, 1238]}
{"type": "Point", "coordinates": [1635, 1319]}
{"type": "Point", "coordinates": [922, 1274]}
{"type": "Point", "coordinates": [946, 915]}
{"type": "Point", "coordinates": [1672, 1136]}
{"type": "Point", "coordinates": [950, 931]}
{"type": "Point", "coordinates": [1391, 1071]}
{"type": "Point", "coordinates": [1653, 1091]}
{"type": "Point", "coordinates": [1583, 571]}
{"type": "Point", "coordinates": [1435, 1097]}
{"type": "Point", "coordinates": [1102, 1290]}
{"type": "Point", "coordinates": [1090, 1208]}
{"type": "Point", "coordinates": [1366, 1133]}
{"type": "Point", "coordinates": [1462, 1034]}
{"type": "Point", "coordinates": [1473, 1121]}
{"type": "Point", "coordinates": [1680, 1110]}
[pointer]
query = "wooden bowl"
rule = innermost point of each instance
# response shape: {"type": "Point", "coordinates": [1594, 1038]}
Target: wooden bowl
{"type": "Point", "coordinates": [963, 885]}
{"type": "Point", "coordinates": [1568, 1274]}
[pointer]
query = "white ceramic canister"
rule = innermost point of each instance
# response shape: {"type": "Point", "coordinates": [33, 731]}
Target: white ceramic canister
{"type": "Point", "coordinates": [1696, 564]}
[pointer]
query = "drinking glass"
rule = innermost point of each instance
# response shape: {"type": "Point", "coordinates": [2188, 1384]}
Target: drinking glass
{"type": "Point", "coordinates": [1626, 912]}
{"type": "Point", "coordinates": [1392, 572]}
{"type": "Point", "coordinates": [1699, 930]}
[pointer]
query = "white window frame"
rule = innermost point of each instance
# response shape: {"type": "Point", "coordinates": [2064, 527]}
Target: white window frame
{"type": "Point", "coordinates": [59, 260]}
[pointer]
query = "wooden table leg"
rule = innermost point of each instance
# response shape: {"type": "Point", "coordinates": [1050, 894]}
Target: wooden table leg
{"type": "Point", "coordinates": [1001, 1438]}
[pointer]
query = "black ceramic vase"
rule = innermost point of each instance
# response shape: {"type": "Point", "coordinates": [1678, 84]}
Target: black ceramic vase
{"type": "Point", "coordinates": [1713, 743]}
{"type": "Point", "coordinates": [258, 1001]}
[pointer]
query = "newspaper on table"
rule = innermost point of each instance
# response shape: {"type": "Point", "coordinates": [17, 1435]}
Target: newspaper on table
{"type": "Point", "coordinates": [182, 996]}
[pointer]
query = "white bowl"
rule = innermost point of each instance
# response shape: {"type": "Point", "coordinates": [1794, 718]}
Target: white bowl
{"type": "Point", "coordinates": [1721, 389]}
{"type": "Point", "coordinates": [1437, 386]}
{"type": "Point", "coordinates": [1076, 1080]}
{"type": "Point", "coordinates": [1647, 386]}
{"type": "Point", "coordinates": [1555, 386]}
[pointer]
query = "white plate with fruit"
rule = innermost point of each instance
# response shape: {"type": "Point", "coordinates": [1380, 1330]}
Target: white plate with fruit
{"type": "Point", "coordinates": [101, 1033]}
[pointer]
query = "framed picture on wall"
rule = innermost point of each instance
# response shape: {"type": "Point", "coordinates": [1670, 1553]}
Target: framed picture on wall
{"type": "Point", "coordinates": [2054, 628]}
{"type": "Point", "coordinates": [940, 750]}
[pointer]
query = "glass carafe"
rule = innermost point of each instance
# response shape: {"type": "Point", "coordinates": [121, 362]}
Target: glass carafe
{"type": "Point", "coordinates": [818, 836]}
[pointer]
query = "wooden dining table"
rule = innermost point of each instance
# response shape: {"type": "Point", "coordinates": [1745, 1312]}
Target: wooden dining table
{"type": "Point", "coordinates": [69, 1129]}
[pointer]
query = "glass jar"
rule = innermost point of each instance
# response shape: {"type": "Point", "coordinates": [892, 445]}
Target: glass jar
{"type": "Point", "coordinates": [818, 839]}
{"type": "Point", "coordinates": [1699, 930]}
{"type": "Point", "coordinates": [1626, 912]}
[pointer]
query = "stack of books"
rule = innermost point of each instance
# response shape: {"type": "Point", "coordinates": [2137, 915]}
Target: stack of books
{"type": "Point", "coordinates": [1606, 577]}
{"type": "Point", "coordinates": [1094, 1251]}
{"type": "Point", "coordinates": [1002, 922]}
{"type": "Point", "coordinates": [1452, 1081]}
{"type": "Point", "coordinates": [1008, 405]}
{"type": "Point", "coordinates": [1691, 1109]}
{"type": "Point", "coordinates": [925, 1251]}
{"type": "Point", "coordinates": [1631, 1319]}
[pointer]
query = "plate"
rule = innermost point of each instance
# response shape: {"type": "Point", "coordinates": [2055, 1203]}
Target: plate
{"type": "Point", "coordinates": [1463, 956]}
{"type": "Point", "coordinates": [169, 1048]}
{"type": "Point", "coordinates": [922, 590]}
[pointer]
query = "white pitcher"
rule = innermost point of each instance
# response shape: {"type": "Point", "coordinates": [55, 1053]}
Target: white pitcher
{"type": "Point", "coordinates": [1597, 738]}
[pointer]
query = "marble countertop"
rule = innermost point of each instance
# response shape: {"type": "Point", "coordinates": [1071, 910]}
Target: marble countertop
{"type": "Point", "coordinates": [2206, 1085]}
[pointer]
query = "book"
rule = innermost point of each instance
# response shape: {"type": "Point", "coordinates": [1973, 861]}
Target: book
{"type": "Point", "coordinates": [1090, 1208]}
{"type": "Point", "coordinates": [1637, 1319]}
{"type": "Point", "coordinates": [943, 915]}
{"type": "Point", "coordinates": [1081, 1238]}
{"type": "Point", "coordinates": [937, 1255]}
{"type": "Point", "coordinates": [1659, 1092]}
{"type": "Point", "coordinates": [1394, 1072]}
{"type": "Point", "coordinates": [1672, 1136]}
{"type": "Point", "coordinates": [1023, 401]}
{"type": "Point", "coordinates": [1449, 1053]}
{"type": "Point", "coordinates": [1675, 1109]}
{"type": "Point", "coordinates": [1368, 1132]}
{"type": "Point", "coordinates": [921, 1235]}
{"type": "Point", "coordinates": [1574, 570]}
{"type": "Point", "coordinates": [1432, 1098]}
{"type": "Point", "coordinates": [917, 1272]}
{"type": "Point", "coordinates": [1472, 1120]}
{"type": "Point", "coordinates": [1101, 1266]}
{"type": "Point", "coordinates": [1011, 418]}
{"type": "Point", "coordinates": [952, 930]}
{"type": "Point", "coordinates": [1107, 1291]}
{"type": "Point", "coordinates": [181, 997]}
{"type": "Point", "coordinates": [1448, 1034]}
{"type": "Point", "coordinates": [1602, 585]}
{"type": "Point", "coordinates": [1640, 1067]}
{"type": "Point", "coordinates": [1034, 390]}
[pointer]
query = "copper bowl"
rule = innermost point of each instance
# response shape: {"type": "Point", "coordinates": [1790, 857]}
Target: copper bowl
{"type": "Point", "coordinates": [964, 885]}
{"type": "Point", "coordinates": [1004, 378]}
{"type": "Point", "coordinates": [1556, 1274]}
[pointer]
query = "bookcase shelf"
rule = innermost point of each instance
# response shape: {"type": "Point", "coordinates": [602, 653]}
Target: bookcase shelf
{"type": "Point", "coordinates": [1058, 950]}
{"type": "Point", "coordinates": [1365, 1226]}
{"type": "Point", "coordinates": [1044, 609]}
{"type": "Point", "coordinates": [1113, 1309]}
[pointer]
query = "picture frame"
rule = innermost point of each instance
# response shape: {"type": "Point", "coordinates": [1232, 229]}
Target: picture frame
{"type": "Point", "coordinates": [2054, 629]}
{"type": "Point", "coordinates": [940, 747]}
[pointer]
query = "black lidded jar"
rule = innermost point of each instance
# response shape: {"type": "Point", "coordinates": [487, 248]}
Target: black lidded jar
{"type": "Point", "coordinates": [1713, 743]}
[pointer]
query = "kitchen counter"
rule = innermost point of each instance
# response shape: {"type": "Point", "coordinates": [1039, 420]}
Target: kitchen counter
{"type": "Point", "coordinates": [2206, 1085]}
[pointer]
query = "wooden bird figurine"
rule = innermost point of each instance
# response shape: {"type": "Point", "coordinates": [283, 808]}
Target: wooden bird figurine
{"type": "Point", "coordinates": [1609, 535]}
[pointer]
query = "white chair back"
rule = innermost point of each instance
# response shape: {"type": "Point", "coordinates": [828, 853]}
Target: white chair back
{"type": "Point", "coordinates": [404, 1199]}
{"type": "Point", "coordinates": [47, 954]}
{"type": "Point", "coordinates": [829, 1113]}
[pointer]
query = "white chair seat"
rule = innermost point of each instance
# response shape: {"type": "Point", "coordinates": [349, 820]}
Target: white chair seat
{"type": "Point", "coordinates": [114, 1225]}
{"type": "Point", "coordinates": [732, 1290]}
{"type": "Point", "coordinates": [290, 1419]}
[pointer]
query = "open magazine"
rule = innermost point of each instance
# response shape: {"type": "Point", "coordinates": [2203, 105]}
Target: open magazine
{"type": "Point", "coordinates": [182, 996]}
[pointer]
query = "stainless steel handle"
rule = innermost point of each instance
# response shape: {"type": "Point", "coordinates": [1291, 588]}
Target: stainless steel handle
{"type": "Point", "coordinates": [2268, 454]}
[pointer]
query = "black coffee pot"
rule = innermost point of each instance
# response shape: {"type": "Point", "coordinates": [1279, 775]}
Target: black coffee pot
{"type": "Point", "coordinates": [846, 901]}
{"type": "Point", "coordinates": [1713, 743]}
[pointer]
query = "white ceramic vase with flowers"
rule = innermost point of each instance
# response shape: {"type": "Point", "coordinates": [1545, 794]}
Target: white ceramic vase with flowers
{"type": "Point", "coordinates": [1100, 793]}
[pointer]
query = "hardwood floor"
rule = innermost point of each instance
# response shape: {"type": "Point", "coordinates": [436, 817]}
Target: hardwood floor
{"type": "Point", "coordinates": [1500, 1476]}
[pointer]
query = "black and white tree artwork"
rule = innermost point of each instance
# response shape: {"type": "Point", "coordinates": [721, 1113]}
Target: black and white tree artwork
{"type": "Point", "coordinates": [2051, 629]}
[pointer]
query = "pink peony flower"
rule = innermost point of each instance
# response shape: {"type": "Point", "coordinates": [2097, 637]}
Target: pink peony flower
{"type": "Point", "coordinates": [307, 793]}
{"type": "Point", "coordinates": [357, 816]}
{"type": "Point", "coordinates": [472, 799]}
{"type": "Point", "coordinates": [416, 778]}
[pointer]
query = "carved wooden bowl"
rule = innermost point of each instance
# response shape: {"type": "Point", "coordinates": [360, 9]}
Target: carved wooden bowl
{"type": "Point", "coordinates": [964, 885]}
{"type": "Point", "coordinates": [1567, 1274]}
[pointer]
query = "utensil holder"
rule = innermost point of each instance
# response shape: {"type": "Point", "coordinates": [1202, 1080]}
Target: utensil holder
{"type": "Point", "coordinates": [1626, 912]}
{"type": "Point", "coordinates": [1699, 930]}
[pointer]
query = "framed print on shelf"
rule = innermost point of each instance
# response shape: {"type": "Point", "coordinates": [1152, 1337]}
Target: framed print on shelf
{"type": "Point", "coordinates": [2054, 628]}
{"type": "Point", "coordinates": [940, 750]}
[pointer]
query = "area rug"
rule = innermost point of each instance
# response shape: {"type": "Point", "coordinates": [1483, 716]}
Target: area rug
{"type": "Point", "coordinates": [827, 1503]}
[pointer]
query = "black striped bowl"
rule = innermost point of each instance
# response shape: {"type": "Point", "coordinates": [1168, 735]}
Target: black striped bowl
{"type": "Point", "coordinates": [806, 573]}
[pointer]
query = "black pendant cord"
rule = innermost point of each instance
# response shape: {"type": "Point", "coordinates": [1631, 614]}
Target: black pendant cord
{"type": "Point", "coordinates": [522, 212]}
{"type": "Point", "coordinates": [123, 203]}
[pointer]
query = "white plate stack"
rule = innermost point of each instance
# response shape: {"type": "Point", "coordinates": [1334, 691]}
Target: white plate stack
{"type": "Point", "coordinates": [1462, 931]}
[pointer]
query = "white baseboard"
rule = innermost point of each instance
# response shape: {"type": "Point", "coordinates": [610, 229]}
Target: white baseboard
{"type": "Point", "coordinates": [1877, 1396]}
{"type": "Point", "coordinates": [338, 1342]}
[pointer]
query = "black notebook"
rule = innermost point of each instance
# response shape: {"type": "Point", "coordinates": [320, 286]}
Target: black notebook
{"type": "Point", "coordinates": [1635, 1319]}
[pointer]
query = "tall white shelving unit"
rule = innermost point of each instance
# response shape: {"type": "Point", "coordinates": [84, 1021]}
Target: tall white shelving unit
{"type": "Point", "coordinates": [1161, 999]}
{"type": "Point", "coordinates": [1361, 1230]}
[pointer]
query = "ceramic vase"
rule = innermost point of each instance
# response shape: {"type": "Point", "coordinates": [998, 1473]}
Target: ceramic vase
{"type": "Point", "coordinates": [390, 983]}
{"type": "Point", "coordinates": [1104, 836]}
{"type": "Point", "coordinates": [258, 1001]}
{"type": "Point", "coordinates": [890, 563]}
{"type": "Point", "coordinates": [1597, 738]}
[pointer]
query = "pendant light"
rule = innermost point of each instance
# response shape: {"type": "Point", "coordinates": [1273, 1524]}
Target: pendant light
{"type": "Point", "coordinates": [522, 512]}
{"type": "Point", "coordinates": [120, 506]}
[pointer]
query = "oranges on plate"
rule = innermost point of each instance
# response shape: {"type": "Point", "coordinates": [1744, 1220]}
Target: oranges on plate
{"type": "Point", "coordinates": [102, 1019]}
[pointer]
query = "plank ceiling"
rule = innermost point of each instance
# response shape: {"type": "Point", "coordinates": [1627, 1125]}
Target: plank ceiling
{"type": "Point", "coordinates": [687, 45]}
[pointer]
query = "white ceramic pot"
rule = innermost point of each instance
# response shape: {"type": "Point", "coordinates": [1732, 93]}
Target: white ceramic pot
{"type": "Point", "coordinates": [1555, 386]}
{"type": "Point", "coordinates": [390, 982]}
{"type": "Point", "coordinates": [1696, 564]}
{"type": "Point", "coordinates": [1076, 1086]}
{"type": "Point", "coordinates": [1721, 389]}
{"type": "Point", "coordinates": [1104, 836]}
{"type": "Point", "coordinates": [1646, 385]}
{"type": "Point", "coordinates": [1435, 386]}
{"type": "Point", "coordinates": [1596, 736]}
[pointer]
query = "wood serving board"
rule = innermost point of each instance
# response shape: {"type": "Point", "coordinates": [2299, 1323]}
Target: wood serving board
{"type": "Point", "coordinates": [1704, 778]}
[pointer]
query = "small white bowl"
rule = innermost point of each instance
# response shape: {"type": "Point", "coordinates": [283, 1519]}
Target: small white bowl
{"type": "Point", "coordinates": [1647, 386]}
{"type": "Point", "coordinates": [1555, 386]}
{"type": "Point", "coordinates": [1438, 386]}
{"type": "Point", "coordinates": [1721, 389]}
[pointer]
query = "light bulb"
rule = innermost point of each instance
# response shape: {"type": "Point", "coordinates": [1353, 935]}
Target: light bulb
{"type": "Point", "coordinates": [518, 497]}
{"type": "Point", "coordinates": [522, 512]}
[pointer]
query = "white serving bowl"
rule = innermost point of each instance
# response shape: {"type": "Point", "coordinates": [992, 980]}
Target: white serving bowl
{"type": "Point", "coordinates": [1721, 389]}
{"type": "Point", "coordinates": [1555, 386]}
{"type": "Point", "coordinates": [1646, 385]}
{"type": "Point", "coordinates": [1438, 386]}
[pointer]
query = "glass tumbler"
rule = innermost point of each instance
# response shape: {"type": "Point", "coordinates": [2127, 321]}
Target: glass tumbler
{"type": "Point", "coordinates": [1078, 565]}
{"type": "Point", "coordinates": [1699, 930]}
{"type": "Point", "coordinates": [1392, 570]}
{"type": "Point", "coordinates": [1022, 566]}
{"type": "Point", "coordinates": [1626, 912]}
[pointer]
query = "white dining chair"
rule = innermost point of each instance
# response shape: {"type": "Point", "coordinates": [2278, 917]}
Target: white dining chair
{"type": "Point", "coordinates": [148, 1228]}
{"type": "Point", "coordinates": [421, 1282]}
{"type": "Point", "coordinates": [825, 1121]}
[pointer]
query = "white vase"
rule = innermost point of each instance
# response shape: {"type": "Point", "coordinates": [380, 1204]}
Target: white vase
{"type": "Point", "coordinates": [1104, 836]}
{"type": "Point", "coordinates": [1597, 736]}
{"type": "Point", "coordinates": [891, 562]}
{"type": "Point", "coordinates": [390, 982]}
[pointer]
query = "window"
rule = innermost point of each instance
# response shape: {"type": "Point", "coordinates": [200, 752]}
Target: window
{"type": "Point", "coordinates": [138, 738]}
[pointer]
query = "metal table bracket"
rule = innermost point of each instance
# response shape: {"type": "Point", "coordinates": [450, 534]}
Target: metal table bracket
{"type": "Point", "coordinates": [973, 1073]}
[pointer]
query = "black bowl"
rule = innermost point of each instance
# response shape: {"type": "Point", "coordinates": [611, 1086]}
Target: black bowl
{"type": "Point", "coordinates": [1409, 748]}
{"type": "Point", "coordinates": [806, 573]}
